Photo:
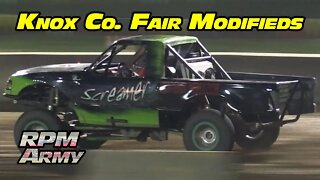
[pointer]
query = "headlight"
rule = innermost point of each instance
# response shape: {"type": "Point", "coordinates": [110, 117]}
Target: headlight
{"type": "Point", "coordinates": [9, 84]}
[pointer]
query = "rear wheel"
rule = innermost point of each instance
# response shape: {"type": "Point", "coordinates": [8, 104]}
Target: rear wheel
{"type": "Point", "coordinates": [208, 130]}
{"type": "Point", "coordinates": [261, 139]}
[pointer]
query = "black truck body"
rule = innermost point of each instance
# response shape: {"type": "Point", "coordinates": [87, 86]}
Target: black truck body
{"type": "Point", "coordinates": [177, 86]}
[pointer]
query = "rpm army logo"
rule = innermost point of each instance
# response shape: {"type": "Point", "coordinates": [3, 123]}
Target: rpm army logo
{"type": "Point", "coordinates": [49, 147]}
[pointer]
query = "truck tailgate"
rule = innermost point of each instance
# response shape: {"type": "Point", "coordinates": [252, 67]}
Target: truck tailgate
{"type": "Point", "coordinates": [294, 95]}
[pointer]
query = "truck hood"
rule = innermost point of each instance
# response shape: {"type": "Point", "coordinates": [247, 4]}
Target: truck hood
{"type": "Point", "coordinates": [72, 67]}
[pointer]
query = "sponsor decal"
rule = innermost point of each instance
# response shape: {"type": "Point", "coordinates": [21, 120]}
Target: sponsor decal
{"type": "Point", "coordinates": [116, 94]}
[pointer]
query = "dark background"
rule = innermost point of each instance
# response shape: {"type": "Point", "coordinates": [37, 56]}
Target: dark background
{"type": "Point", "coordinates": [294, 155]}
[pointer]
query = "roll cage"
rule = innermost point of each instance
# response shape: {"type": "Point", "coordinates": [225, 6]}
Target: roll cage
{"type": "Point", "coordinates": [169, 47]}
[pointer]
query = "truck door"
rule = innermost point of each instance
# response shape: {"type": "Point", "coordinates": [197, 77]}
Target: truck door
{"type": "Point", "coordinates": [123, 93]}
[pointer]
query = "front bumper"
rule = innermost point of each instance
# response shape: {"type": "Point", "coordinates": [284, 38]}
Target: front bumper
{"type": "Point", "coordinates": [9, 95]}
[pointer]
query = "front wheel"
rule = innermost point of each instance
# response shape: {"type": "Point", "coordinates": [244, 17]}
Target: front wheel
{"type": "Point", "coordinates": [208, 130]}
{"type": "Point", "coordinates": [35, 120]}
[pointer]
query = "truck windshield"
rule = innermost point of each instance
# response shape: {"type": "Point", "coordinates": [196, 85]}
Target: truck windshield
{"type": "Point", "coordinates": [107, 55]}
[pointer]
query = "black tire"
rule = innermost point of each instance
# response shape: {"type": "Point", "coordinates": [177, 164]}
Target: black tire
{"type": "Point", "coordinates": [217, 132]}
{"type": "Point", "coordinates": [264, 139]}
{"type": "Point", "coordinates": [89, 144]}
{"type": "Point", "coordinates": [35, 120]}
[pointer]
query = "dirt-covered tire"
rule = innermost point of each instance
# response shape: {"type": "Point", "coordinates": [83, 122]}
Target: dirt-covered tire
{"type": "Point", "coordinates": [89, 144]}
{"type": "Point", "coordinates": [263, 140]}
{"type": "Point", "coordinates": [208, 130]}
{"type": "Point", "coordinates": [35, 120]}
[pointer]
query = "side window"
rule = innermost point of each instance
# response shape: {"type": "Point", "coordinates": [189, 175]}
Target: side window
{"type": "Point", "coordinates": [175, 68]}
{"type": "Point", "coordinates": [182, 71]}
{"type": "Point", "coordinates": [194, 56]}
{"type": "Point", "coordinates": [132, 61]}
{"type": "Point", "coordinates": [170, 64]}
{"type": "Point", "coordinates": [190, 50]}
{"type": "Point", "coordinates": [124, 61]}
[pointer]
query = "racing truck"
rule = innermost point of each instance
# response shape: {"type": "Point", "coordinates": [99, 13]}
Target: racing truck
{"type": "Point", "coordinates": [145, 87]}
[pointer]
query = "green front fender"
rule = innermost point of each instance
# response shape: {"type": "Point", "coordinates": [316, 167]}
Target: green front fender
{"type": "Point", "coordinates": [18, 83]}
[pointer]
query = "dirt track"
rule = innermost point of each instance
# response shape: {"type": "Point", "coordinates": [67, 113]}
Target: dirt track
{"type": "Point", "coordinates": [296, 155]}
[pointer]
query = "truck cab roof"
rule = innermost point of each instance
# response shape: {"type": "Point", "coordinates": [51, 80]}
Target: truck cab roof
{"type": "Point", "coordinates": [165, 39]}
